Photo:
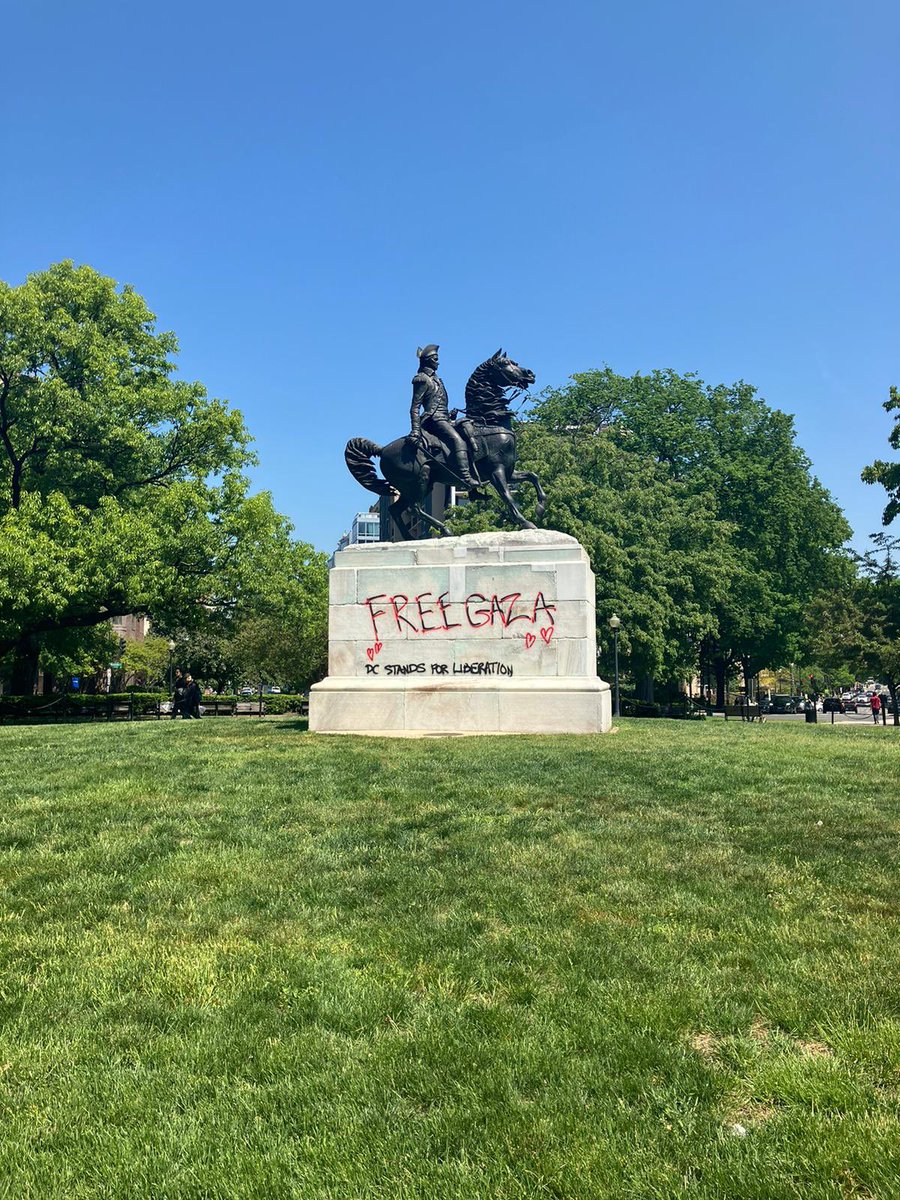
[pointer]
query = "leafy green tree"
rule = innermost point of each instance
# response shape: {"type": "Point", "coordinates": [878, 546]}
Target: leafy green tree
{"type": "Point", "coordinates": [879, 605]}
{"type": "Point", "coordinates": [771, 534]}
{"type": "Point", "coordinates": [121, 486]}
{"type": "Point", "coordinates": [861, 627]}
{"type": "Point", "coordinates": [145, 662]}
{"type": "Point", "coordinates": [783, 533]}
{"type": "Point", "coordinates": [656, 549]}
{"type": "Point", "coordinates": [85, 653]}
{"type": "Point", "coordinates": [888, 474]}
{"type": "Point", "coordinates": [269, 650]}
{"type": "Point", "coordinates": [282, 637]}
{"type": "Point", "coordinates": [205, 651]}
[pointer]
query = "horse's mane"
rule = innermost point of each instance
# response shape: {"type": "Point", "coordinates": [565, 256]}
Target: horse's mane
{"type": "Point", "coordinates": [486, 394]}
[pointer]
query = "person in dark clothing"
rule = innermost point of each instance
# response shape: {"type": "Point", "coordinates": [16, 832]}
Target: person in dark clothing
{"type": "Point", "coordinates": [885, 705]}
{"type": "Point", "coordinates": [178, 694]}
{"type": "Point", "coordinates": [191, 707]}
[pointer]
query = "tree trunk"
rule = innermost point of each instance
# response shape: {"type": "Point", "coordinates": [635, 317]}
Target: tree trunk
{"type": "Point", "coordinates": [721, 681]}
{"type": "Point", "coordinates": [748, 678]}
{"type": "Point", "coordinates": [26, 654]}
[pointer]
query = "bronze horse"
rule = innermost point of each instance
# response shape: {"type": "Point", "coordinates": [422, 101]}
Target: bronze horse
{"type": "Point", "coordinates": [410, 471]}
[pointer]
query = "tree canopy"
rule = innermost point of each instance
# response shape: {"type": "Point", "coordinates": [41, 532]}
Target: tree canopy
{"type": "Point", "coordinates": [706, 529]}
{"type": "Point", "coordinates": [857, 629]}
{"type": "Point", "coordinates": [121, 486]}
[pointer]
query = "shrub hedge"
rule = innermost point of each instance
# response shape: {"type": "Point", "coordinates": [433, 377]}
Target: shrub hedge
{"type": "Point", "coordinates": [76, 704]}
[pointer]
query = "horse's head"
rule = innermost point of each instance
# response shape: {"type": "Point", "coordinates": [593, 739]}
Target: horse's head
{"type": "Point", "coordinates": [508, 373]}
{"type": "Point", "coordinates": [487, 396]}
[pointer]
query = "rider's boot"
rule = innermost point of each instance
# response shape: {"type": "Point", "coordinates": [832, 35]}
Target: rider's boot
{"type": "Point", "coordinates": [470, 440]}
{"type": "Point", "coordinates": [469, 478]}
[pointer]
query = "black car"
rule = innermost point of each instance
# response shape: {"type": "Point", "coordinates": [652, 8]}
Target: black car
{"type": "Point", "coordinates": [833, 704]}
{"type": "Point", "coordinates": [781, 704]}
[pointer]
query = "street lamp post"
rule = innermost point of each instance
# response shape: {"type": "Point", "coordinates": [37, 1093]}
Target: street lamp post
{"type": "Point", "coordinates": [614, 624]}
{"type": "Point", "coordinates": [171, 652]}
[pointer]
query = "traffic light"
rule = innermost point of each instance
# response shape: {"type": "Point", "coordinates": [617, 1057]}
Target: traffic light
{"type": "Point", "coordinates": [121, 646]}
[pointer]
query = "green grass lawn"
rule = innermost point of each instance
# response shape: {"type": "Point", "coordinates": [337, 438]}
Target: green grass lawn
{"type": "Point", "coordinates": [239, 960]}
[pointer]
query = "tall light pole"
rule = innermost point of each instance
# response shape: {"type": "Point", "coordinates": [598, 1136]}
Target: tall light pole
{"type": "Point", "coordinates": [614, 624]}
{"type": "Point", "coordinates": [171, 652]}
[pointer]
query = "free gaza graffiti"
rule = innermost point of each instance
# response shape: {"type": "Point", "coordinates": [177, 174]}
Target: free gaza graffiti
{"type": "Point", "coordinates": [427, 613]}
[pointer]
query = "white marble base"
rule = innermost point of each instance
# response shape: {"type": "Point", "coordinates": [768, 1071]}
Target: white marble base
{"type": "Point", "coordinates": [558, 705]}
{"type": "Point", "coordinates": [485, 633]}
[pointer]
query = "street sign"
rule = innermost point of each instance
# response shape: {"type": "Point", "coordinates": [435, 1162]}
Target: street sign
{"type": "Point", "coordinates": [116, 666]}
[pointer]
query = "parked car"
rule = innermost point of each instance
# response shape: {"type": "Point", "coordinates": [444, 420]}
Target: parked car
{"type": "Point", "coordinates": [247, 691]}
{"type": "Point", "coordinates": [849, 702]}
{"type": "Point", "coordinates": [833, 704]}
{"type": "Point", "coordinates": [781, 704]}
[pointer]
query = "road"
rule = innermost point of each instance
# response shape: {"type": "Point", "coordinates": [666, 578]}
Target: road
{"type": "Point", "coordinates": [850, 718]}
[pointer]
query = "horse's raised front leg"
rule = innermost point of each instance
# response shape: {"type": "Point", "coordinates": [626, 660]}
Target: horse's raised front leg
{"type": "Point", "coordinates": [498, 478]}
{"type": "Point", "coordinates": [530, 477]}
{"type": "Point", "coordinates": [430, 520]}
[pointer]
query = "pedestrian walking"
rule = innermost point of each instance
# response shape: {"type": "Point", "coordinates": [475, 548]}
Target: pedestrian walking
{"type": "Point", "coordinates": [178, 694]}
{"type": "Point", "coordinates": [875, 705]}
{"type": "Point", "coordinates": [192, 698]}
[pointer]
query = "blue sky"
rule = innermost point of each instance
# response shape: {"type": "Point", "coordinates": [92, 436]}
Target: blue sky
{"type": "Point", "coordinates": [305, 194]}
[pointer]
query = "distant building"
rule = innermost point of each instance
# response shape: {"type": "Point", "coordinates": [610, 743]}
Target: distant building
{"type": "Point", "coordinates": [131, 627]}
{"type": "Point", "coordinates": [366, 527]}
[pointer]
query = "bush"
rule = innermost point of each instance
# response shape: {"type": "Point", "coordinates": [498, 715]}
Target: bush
{"type": "Point", "coordinates": [70, 704]}
{"type": "Point", "coordinates": [684, 710]}
{"type": "Point", "coordinates": [639, 708]}
{"type": "Point", "coordinates": [277, 705]}
{"type": "Point", "coordinates": [74, 704]}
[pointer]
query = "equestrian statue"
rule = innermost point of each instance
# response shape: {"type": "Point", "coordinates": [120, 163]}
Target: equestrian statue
{"type": "Point", "coordinates": [466, 454]}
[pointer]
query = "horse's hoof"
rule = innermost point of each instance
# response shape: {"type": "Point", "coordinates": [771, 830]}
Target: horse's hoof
{"type": "Point", "coordinates": [528, 525]}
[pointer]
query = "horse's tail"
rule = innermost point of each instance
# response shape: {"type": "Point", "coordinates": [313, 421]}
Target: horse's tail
{"type": "Point", "coordinates": [358, 456]}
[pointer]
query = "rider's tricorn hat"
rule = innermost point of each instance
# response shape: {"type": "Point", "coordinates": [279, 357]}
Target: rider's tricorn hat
{"type": "Point", "coordinates": [423, 350]}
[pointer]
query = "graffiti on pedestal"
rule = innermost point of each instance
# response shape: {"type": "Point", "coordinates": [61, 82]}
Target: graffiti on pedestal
{"type": "Point", "coordinates": [428, 613]}
{"type": "Point", "coordinates": [404, 614]}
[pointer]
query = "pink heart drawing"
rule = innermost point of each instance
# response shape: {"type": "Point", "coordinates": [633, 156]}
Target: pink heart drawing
{"type": "Point", "coordinates": [547, 634]}
{"type": "Point", "coordinates": [378, 646]}
{"type": "Point", "coordinates": [370, 653]}
{"type": "Point", "coordinates": [530, 639]}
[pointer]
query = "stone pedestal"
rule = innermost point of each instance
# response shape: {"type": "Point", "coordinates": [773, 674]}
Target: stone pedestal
{"type": "Point", "coordinates": [485, 633]}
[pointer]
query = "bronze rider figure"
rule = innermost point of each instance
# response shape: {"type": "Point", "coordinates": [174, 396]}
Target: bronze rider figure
{"type": "Point", "coordinates": [430, 395]}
